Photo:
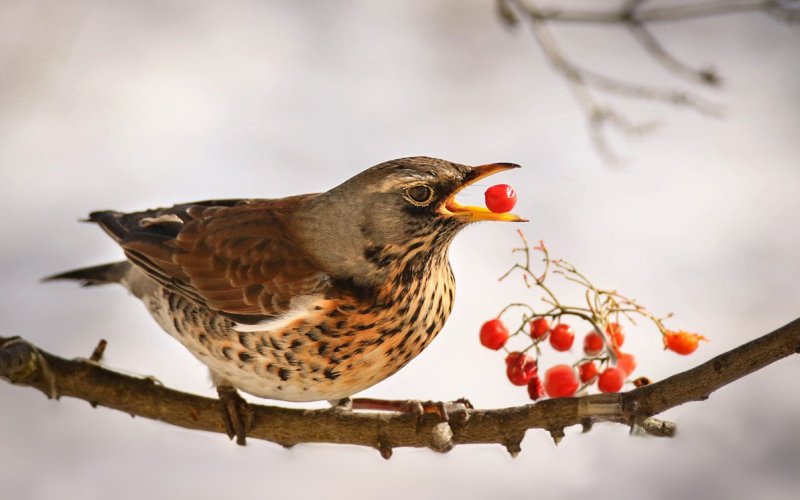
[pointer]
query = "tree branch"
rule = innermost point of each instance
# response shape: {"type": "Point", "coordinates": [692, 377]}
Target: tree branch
{"type": "Point", "coordinates": [666, 13]}
{"type": "Point", "coordinates": [23, 364]}
{"type": "Point", "coordinates": [635, 16]}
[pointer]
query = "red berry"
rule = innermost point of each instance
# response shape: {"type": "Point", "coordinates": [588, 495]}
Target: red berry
{"type": "Point", "coordinates": [587, 371]}
{"type": "Point", "coordinates": [539, 328]}
{"type": "Point", "coordinates": [611, 380]}
{"type": "Point", "coordinates": [626, 362]}
{"type": "Point", "coordinates": [614, 331]}
{"type": "Point", "coordinates": [592, 344]}
{"type": "Point", "coordinates": [682, 342]}
{"type": "Point", "coordinates": [535, 389]}
{"type": "Point", "coordinates": [560, 381]}
{"type": "Point", "coordinates": [561, 337]}
{"type": "Point", "coordinates": [500, 198]}
{"type": "Point", "coordinates": [520, 368]}
{"type": "Point", "coordinates": [494, 334]}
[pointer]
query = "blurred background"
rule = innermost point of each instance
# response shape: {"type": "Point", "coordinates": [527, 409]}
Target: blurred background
{"type": "Point", "coordinates": [135, 104]}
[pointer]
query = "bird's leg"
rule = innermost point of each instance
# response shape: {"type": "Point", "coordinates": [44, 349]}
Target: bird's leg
{"type": "Point", "coordinates": [344, 404]}
{"type": "Point", "coordinates": [416, 407]}
{"type": "Point", "coordinates": [235, 413]}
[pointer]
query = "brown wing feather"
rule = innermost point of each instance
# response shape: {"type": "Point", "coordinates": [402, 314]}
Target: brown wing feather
{"type": "Point", "coordinates": [239, 258]}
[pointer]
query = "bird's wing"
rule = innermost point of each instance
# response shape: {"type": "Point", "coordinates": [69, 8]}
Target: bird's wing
{"type": "Point", "coordinates": [238, 257]}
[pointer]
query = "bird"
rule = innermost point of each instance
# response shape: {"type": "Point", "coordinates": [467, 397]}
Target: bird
{"type": "Point", "coordinates": [305, 298]}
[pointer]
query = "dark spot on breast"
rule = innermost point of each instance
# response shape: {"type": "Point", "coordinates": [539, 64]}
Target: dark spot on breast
{"type": "Point", "coordinates": [368, 342]}
{"type": "Point", "coordinates": [418, 310]}
{"type": "Point", "coordinates": [389, 333]}
{"type": "Point", "coordinates": [407, 277]}
{"type": "Point", "coordinates": [331, 374]}
{"type": "Point", "coordinates": [323, 348]}
{"type": "Point", "coordinates": [243, 339]}
{"type": "Point", "coordinates": [283, 373]}
{"type": "Point", "coordinates": [296, 344]}
{"type": "Point", "coordinates": [245, 356]}
{"type": "Point", "coordinates": [290, 357]}
{"type": "Point", "coordinates": [314, 334]}
{"type": "Point", "coordinates": [406, 337]}
{"type": "Point", "coordinates": [432, 329]}
{"type": "Point", "coordinates": [203, 339]}
{"type": "Point", "coordinates": [342, 346]}
{"type": "Point", "coordinates": [414, 246]}
{"type": "Point", "coordinates": [227, 352]}
{"type": "Point", "coordinates": [373, 253]}
{"type": "Point", "coordinates": [172, 301]}
{"type": "Point", "coordinates": [275, 344]}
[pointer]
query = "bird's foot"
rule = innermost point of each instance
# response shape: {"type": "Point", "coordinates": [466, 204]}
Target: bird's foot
{"type": "Point", "coordinates": [341, 405]}
{"type": "Point", "coordinates": [235, 412]}
{"type": "Point", "coordinates": [413, 406]}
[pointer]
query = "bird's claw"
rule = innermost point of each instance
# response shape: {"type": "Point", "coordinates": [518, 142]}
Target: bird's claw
{"type": "Point", "coordinates": [235, 413]}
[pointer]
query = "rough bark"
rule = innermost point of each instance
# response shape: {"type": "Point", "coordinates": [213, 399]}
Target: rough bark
{"type": "Point", "coordinates": [23, 364]}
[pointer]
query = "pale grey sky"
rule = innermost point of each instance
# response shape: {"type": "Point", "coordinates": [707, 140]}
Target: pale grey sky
{"type": "Point", "coordinates": [129, 105]}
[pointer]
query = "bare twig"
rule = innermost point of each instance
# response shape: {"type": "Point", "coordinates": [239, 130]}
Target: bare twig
{"type": "Point", "coordinates": [643, 35]}
{"type": "Point", "coordinates": [21, 363]}
{"type": "Point", "coordinates": [635, 16]}
{"type": "Point", "coordinates": [98, 352]}
{"type": "Point", "coordinates": [787, 9]}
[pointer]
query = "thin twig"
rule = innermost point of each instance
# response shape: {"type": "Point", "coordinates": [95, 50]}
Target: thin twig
{"type": "Point", "coordinates": [635, 16]}
{"type": "Point", "coordinates": [650, 43]}
{"type": "Point", "coordinates": [666, 13]}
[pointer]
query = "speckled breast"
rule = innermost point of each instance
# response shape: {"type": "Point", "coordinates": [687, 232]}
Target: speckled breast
{"type": "Point", "coordinates": [332, 348]}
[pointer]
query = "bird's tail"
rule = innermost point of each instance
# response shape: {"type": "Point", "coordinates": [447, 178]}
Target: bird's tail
{"type": "Point", "coordinates": [96, 275]}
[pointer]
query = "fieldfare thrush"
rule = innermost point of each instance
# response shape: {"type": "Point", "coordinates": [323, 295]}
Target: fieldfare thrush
{"type": "Point", "coordinates": [305, 298]}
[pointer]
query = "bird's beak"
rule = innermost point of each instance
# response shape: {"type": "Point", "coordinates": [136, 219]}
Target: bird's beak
{"type": "Point", "coordinates": [450, 207]}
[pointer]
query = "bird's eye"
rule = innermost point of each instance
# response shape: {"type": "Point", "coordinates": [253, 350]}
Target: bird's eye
{"type": "Point", "coordinates": [419, 195]}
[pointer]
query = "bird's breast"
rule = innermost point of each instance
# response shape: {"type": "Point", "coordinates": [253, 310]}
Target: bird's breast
{"type": "Point", "coordinates": [326, 347]}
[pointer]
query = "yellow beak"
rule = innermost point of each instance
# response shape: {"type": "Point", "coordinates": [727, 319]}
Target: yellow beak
{"type": "Point", "coordinates": [452, 208]}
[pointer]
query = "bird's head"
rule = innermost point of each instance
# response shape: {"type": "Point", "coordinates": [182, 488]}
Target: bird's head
{"type": "Point", "coordinates": [396, 204]}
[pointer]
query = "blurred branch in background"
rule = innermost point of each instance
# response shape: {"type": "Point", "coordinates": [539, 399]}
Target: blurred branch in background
{"type": "Point", "coordinates": [635, 16]}
{"type": "Point", "coordinates": [21, 363]}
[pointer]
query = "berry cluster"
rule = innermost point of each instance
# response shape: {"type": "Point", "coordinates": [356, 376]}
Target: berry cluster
{"type": "Point", "coordinates": [563, 380]}
{"type": "Point", "coordinates": [602, 362]}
